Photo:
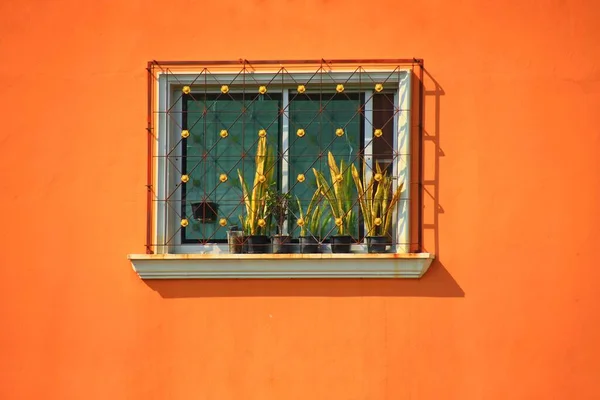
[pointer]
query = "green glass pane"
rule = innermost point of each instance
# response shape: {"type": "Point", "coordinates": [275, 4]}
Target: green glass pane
{"type": "Point", "coordinates": [320, 117]}
{"type": "Point", "coordinates": [209, 155]}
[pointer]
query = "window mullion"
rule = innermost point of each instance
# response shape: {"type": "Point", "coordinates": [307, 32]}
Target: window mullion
{"type": "Point", "coordinates": [285, 144]}
{"type": "Point", "coordinates": [368, 135]}
{"type": "Point", "coordinates": [161, 168]}
{"type": "Point", "coordinates": [402, 162]}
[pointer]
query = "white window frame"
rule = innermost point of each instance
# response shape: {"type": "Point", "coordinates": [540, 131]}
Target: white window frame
{"type": "Point", "coordinates": [168, 97]}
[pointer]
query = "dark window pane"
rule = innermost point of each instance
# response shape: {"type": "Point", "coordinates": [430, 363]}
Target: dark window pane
{"type": "Point", "coordinates": [320, 116]}
{"type": "Point", "coordinates": [208, 155]}
{"type": "Point", "coordinates": [383, 118]}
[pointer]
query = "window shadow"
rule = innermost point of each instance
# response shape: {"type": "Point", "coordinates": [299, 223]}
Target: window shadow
{"type": "Point", "coordinates": [432, 152]}
{"type": "Point", "coordinates": [437, 282]}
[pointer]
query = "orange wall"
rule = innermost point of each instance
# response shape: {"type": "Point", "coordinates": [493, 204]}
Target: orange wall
{"type": "Point", "coordinates": [510, 310]}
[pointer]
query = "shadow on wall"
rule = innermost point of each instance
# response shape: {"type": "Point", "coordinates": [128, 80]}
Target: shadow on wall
{"type": "Point", "coordinates": [437, 282]}
{"type": "Point", "coordinates": [432, 152]}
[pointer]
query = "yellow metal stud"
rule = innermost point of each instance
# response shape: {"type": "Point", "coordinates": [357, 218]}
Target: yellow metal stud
{"type": "Point", "coordinates": [223, 178]}
{"type": "Point", "coordinates": [378, 133]}
{"type": "Point", "coordinates": [185, 178]}
{"type": "Point", "coordinates": [300, 132]}
{"type": "Point", "coordinates": [261, 178]}
{"type": "Point", "coordinates": [300, 222]}
{"type": "Point", "coordinates": [378, 177]}
{"type": "Point", "coordinates": [377, 221]}
{"type": "Point", "coordinates": [262, 133]}
{"type": "Point", "coordinates": [339, 88]}
{"type": "Point", "coordinates": [224, 89]}
{"type": "Point", "coordinates": [262, 223]}
{"type": "Point", "coordinates": [222, 222]}
{"type": "Point", "coordinates": [185, 133]}
{"type": "Point", "coordinates": [224, 133]}
{"type": "Point", "coordinates": [300, 178]}
{"type": "Point", "coordinates": [301, 89]}
{"type": "Point", "coordinates": [186, 90]}
{"type": "Point", "coordinates": [339, 222]}
{"type": "Point", "coordinates": [339, 132]}
{"type": "Point", "coordinates": [262, 90]}
{"type": "Point", "coordinates": [184, 222]}
{"type": "Point", "coordinates": [378, 87]}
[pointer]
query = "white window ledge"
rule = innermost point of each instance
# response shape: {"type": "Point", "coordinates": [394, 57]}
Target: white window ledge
{"type": "Point", "coordinates": [277, 266]}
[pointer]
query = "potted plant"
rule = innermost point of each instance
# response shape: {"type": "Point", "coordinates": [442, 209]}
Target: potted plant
{"type": "Point", "coordinates": [256, 222]}
{"type": "Point", "coordinates": [339, 197]}
{"type": "Point", "coordinates": [279, 206]}
{"type": "Point", "coordinates": [312, 223]}
{"type": "Point", "coordinates": [377, 204]}
{"type": "Point", "coordinates": [235, 240]}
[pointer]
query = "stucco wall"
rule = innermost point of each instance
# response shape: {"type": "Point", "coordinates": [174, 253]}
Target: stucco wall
{"type": "Point", "coordinates": [510, 310]}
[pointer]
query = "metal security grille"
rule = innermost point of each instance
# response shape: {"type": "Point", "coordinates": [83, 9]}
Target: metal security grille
{"type": "Point", "coordinates": [228, 140]}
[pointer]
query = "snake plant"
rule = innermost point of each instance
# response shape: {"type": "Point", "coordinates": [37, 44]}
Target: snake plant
{"type": "Point", "coordinates": [256, 221]}
{"type": "Point", "coordinates": [315, 219]}
{"type": "Point", "coordinates": [376, 200]}
{"type": "Point", "coordinates": [338, 194]}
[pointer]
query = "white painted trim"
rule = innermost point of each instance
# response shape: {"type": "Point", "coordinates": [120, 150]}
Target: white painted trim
{"type": "Point", "coordinates": [349, 77]}
{"type": "Point", "coordinates": [368, 142]}
{"type": "Point", "coordinates": [402, 165]}
{"type": "Point", "coordinates": [285, 147]}
{"type": "Point", "coordinates": [160, 181]}
{"type": "Point", "coordinates": [277, 266]}
{"type": "Point", "coordinates": [368, 134]}
{"type": "Point", "coordinates": [174, 222]}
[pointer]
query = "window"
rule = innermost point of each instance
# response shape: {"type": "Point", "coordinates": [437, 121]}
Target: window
{"type": "Point", "coordinates": [212, 124]}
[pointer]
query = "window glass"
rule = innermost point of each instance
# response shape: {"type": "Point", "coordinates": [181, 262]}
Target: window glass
{"type": "Point", "coordinates": [224, 131]}
{"type": "Point", "coordinates": [320, 116]}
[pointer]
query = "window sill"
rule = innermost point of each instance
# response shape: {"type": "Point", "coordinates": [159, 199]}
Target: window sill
{"type": "Point", "coordinates": [278, 266]}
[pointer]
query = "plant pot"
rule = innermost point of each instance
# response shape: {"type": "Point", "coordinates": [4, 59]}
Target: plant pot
{"type": "Point", "coordinates": [258, 244]}
{"type": "Point", "coordinates": [281, 244]}
{"type": "Point", "coordinates": [378, 244]}
{"type": "Point", "coordinates": [235, 240]}
{"type": "Point", "coordinates": [205, 211]}
{"type": "Point", "coordinates": [341, 244]}
{"type": "Point", "coordinates": [309, 244]}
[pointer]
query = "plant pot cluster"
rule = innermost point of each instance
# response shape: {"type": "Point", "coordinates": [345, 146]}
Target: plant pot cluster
{"type": "Point", "coordinates": [278, 244]}
{"type": "Point", "coordinates": [332, 201]}
{"type": "Point", "coordinates": [282, 244]}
